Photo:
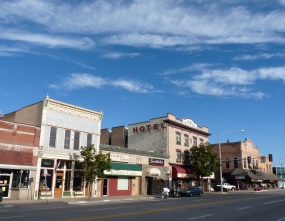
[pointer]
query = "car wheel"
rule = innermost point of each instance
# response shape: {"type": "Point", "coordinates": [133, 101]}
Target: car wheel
{"type": "Point", "coordinates": [199, 194]}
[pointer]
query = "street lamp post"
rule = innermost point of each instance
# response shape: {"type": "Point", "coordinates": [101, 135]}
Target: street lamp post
{"type": "Point", "coordinates": [281, 171]}
{"type": "Point", "coordinates": [220, 155]}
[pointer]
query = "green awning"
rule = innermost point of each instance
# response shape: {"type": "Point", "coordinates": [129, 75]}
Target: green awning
{"type": "Point", "coordinates": [124, 169]}
{"type": "Point", "coordinates": [125, 166]}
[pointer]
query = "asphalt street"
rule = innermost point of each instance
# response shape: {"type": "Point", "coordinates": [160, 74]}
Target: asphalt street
{"type": "Point", "coordinates": [230, 206]}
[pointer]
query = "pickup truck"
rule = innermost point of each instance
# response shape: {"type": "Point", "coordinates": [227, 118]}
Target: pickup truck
{"type": "Point", "coordinates": [228, 186]}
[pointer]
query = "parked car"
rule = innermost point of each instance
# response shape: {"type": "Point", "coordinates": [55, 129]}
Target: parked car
{"type": "Point", "coordinates": [218, 188]}
{"type": "Point", "coordinates": [192, 191]}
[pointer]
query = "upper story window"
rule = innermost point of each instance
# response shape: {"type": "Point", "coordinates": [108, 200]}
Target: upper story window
{"type": "Point", "coordinates": [178, 138]}
{"type": "Point", "coordinates": [67, 139]}
{"type": "Point", "coordinates": [89, 140]}
{"type": "Point", "coordinates": [76, 140]}
{"type": "Point", "coordinates": [186, 140]}
{"type": "Point", "coordinates": [52, 138]}
{"type": "Point", "coordinates": [244, 163]}
{"type": "Point", "coordinates": [178, 156]}
{"type": "Point", "coordinates": [228, 163]}
{"type": "Point", "coordinates": [201, 141]}
{"type": "Point", "coordinates": [194, 141]}
{"type": "Point", "coordinates": [235, 163]}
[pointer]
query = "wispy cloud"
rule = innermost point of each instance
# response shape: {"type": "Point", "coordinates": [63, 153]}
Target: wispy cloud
{"type": "Point", "coordinates": [46, 39]}
{"type": "Point", "coordinates": [117, 55]}
{"type": "Point", "coordinates": [82, 80]}
{"type": "Point", "coordinates": [145, 23]}
{"type": "Point", "coordinates": [251, 57]}
{"type": "Point", "coordinates": [233, 82]}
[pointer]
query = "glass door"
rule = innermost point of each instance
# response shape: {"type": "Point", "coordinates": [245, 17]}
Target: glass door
{"type": "Point", "coordinates": [105, 187]}
{"type": "Point", "coordinates": [5, 184]}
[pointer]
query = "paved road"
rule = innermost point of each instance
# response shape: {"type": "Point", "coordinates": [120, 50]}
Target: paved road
{"type": "Point", "coordinates": [233, 206]}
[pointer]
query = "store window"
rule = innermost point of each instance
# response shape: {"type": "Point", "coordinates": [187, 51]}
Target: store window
{"type": "Point", "coordinates": [20, 179]}
{"type": "Point", "coordinates": [67, 139]}
{"type": "Point", "coordinates": [78, 180]}
{"type": "Point", "coordinates": [52, 139]}
{"type": "Point", "coordinates": [123, 183]}
{"type": "Point", "coordinates": [76, 140]}
{"type": "Point", "coordinates": [46, 180]}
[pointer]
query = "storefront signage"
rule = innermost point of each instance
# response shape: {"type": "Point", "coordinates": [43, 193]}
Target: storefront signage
{"type": "Point", "coordinates": [256, 180]}
{"type": "Point", "coordinates": [47, 163]}
{"type": "Point", "coordinates": [119, 157]}
{"type": "Point", "coordinates": [123, 172]}
{"type": "Point", "coordinates": [189, 122]}
{"type": "Point", "coordinates": [240, 177]}
{"type": "Point", "coordinates": [156, 162]}
{"type": "Point", "coordinates": [149, 127]}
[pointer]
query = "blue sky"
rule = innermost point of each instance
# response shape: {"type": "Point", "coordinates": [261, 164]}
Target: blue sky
{"type": "Point", "coordinates": [220, 63]}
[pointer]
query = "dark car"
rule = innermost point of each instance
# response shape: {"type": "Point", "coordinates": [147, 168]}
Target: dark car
{"type": "Point", "coordinates": [192, 191]}
{"type": "Point", "coordinates": [218, 189]}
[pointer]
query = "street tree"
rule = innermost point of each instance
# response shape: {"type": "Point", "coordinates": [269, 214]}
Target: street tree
{"type": "Point", "coordinates": [202, 160]}
{"type": "Point", "coordinates": [94, 165]}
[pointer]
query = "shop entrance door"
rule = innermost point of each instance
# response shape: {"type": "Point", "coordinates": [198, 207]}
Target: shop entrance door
{"type": "Point", "coordinates": [5, 184]}
{"type": "Point", "coordinates": [105, 187]}
{"type": "Point", "coordinates": [58, 185]}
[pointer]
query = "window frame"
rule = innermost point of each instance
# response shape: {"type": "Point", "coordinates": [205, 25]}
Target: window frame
{"type": "Point", "coordinates": [52, 137]}
{"type": "Point", "coordinates": [67, 139]}
{"type": "Point", "coordinates": [76, 142]}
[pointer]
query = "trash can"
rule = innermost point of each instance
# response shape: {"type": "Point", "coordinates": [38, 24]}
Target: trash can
{"type": "Point", "coordinates": [1, 195]}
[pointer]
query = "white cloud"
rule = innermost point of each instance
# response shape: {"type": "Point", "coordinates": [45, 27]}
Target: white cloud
{"type": "Point", "coordinates": [257, 56]}
{"type": "Point", "coordinates": [82, 80]}
{"type": "Point", "coordinates": [117, 55]}
{"type": "Point", "coordinates": [46, 40]}
{"type": "Point", "coordinates": [233, 82]}
{"type": "Point", "coordinates": [144, 23]}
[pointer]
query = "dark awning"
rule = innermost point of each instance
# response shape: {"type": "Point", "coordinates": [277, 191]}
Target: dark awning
{"type": "Point", "coordinates": [181, 172]}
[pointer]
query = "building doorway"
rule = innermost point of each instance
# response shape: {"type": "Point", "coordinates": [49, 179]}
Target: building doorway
{"type": "Point", "coordinates": [105, 187]}
{"type": "Point", "coordinates": [5, 184]}
{"type": "Point", "coordinates": [58, 185]}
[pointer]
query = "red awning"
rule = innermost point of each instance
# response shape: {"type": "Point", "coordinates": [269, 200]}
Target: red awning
{"type": "Point", "coordinates": [180, 172]}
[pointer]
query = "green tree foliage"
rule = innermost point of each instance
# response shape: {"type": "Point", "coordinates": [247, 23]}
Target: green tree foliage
{"type": "Point", "coordinates": [94, 165]}
{"type": "Point", "coordinates": [203, 160]}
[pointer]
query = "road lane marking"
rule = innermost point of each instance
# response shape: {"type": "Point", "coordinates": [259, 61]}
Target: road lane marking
{"type": "Point", "coordinates": [277, 201]}
{"type": "Point", "coordinates": [164, 209]}
{"type": "Point", "coordinates": [10, 217]}
{"type": "Point", "coordinates": [111, 208]}
{"type": "Point", "coordinates": [200, 217]}
{"type": "Point", "coordinates": [281, 219]}
{"type": "Point", "coordinates": [242, 208]}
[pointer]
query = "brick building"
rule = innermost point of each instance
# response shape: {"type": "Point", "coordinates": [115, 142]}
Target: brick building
{"type": "Point", "coordinates": [19, 145]}
{"type": "Point", "coordinates": [242, 164]}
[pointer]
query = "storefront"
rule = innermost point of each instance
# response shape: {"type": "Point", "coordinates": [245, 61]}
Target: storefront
{"type": "Point", "coordinates": [183, 176]}
{"type": "Point", "coordinates": [16, 181]}
{"type": "Point", "coordinates": [122, 180]}
{"type": "Point", "coordinates": [61, 178]}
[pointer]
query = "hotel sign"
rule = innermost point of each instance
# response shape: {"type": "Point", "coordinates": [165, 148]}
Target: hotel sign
{"type": "Point", "coordinates": [149, 127]}
{"type": "Point", "coordinates": [189, 122]}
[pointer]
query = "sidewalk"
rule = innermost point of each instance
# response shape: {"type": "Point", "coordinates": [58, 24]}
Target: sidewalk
{"type": "Point", "coordinates": [9, 202]}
